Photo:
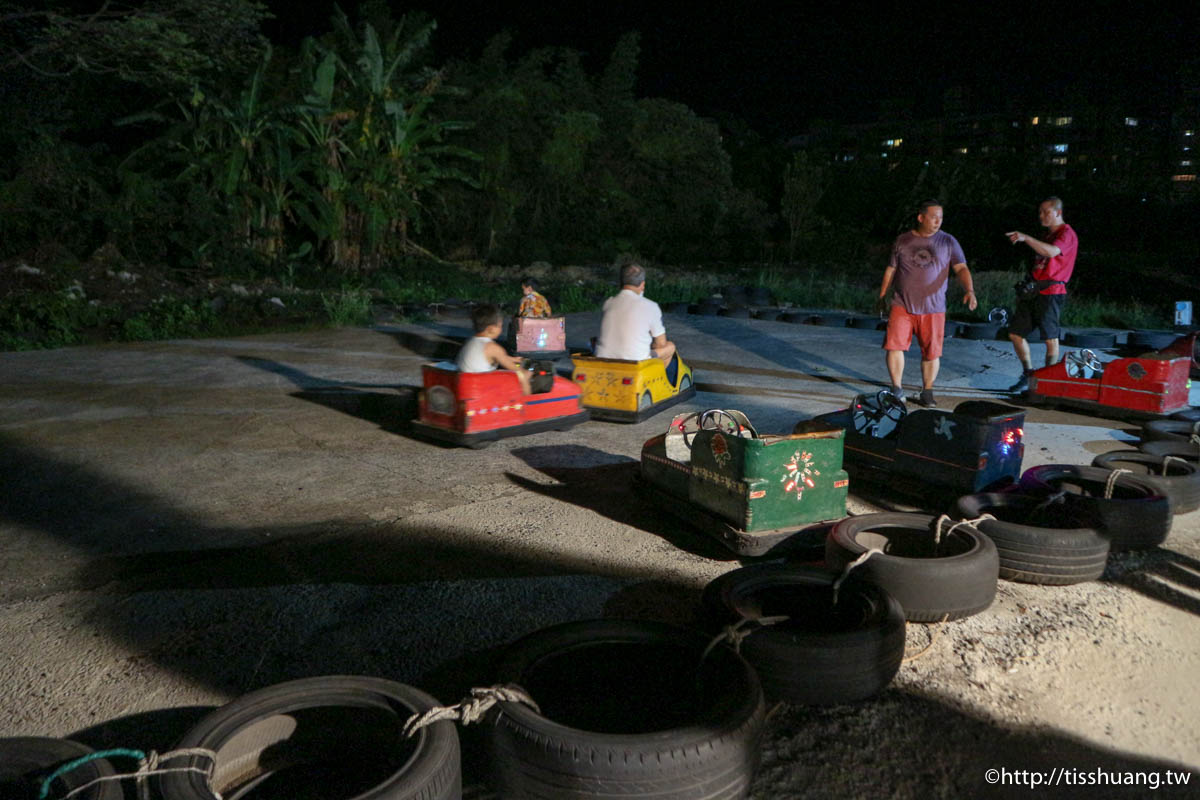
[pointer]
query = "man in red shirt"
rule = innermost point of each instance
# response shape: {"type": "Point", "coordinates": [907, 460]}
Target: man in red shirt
{"type": "Point", "coordinates": [1053, 264]}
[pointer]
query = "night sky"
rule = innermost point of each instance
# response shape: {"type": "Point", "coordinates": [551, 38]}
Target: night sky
{"type": "Point", "coordinates": [780, 67]}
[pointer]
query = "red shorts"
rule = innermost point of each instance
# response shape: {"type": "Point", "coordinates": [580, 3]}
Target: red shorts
{"type": "Point", "coordinates": [930, 330]}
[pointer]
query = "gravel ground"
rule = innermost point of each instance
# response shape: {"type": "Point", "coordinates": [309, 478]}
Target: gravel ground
{"type": "Point", "coordinates": [184, 522]}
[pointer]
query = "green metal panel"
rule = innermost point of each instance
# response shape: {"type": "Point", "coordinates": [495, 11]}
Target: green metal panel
{"type": "Point", "coordinates": [769, 482]}
{"type": "Point", "coordinates": [668, 474]}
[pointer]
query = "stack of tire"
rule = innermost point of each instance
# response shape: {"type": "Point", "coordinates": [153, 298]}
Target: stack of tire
{"type": "Point", "coordinates": [624, 708]}
{"type": "Point", "coordinates": [1059, 523]}
{"type": "Point", "coordinates": [26, 762]}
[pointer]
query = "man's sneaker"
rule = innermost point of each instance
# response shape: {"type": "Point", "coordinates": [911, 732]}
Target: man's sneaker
{"type": "Point", "coordinates": [925, 398]}
{"type": "Point", "coordinates": [897, 392]}
{"type": "Point", "coordinates": [1022, 384]}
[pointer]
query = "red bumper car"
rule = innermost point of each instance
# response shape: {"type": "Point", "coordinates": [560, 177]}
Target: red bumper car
{"type": "Point", "coordinates": [1150, 385]}
{"type": "Point", "coordinates": [477, 408]}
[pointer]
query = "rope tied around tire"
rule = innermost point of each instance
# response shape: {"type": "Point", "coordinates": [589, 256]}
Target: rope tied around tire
{"type": "Point", "coordinates": [1168, 459]}
{"type": "Point", "coordinates": [148, 764]}
{"type": "Point", "coordinates": [1112, 480]}
{"type": "Point", "coordinates": [853, 564]}
{"type": "Point", "coordinates": [1051, 499]}
{"type": "Point", "coordinates": [471, 708]}
{"type": "Point", "coordinates": [970, 523]}
{"type": "Point", "coordinates": [735, 635]}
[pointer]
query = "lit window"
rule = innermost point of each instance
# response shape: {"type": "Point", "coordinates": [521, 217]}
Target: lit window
{"type": "Point", "coordinates": [1062, 121]}
{"type": "Point", "coordinates": [1016, 124]}
{"type": "Point", "coordinates": [1033, 121]}
{"type": "Point", "coordinates": [1059, 160]}
{"type": "Point", "coordinates": [1058, 148]}
{"type": "Point", "coordinates": [1183, 177]}
{"type": "Point", "coordinates": [1131, 122]}
{"type": "Point", "coordinates": [1188, 133]}
{"type": "Point", "coordinates": [1185, 163]}
{"type": "Point", "coordinates": [962, 151]}
{"type": "Point", "coordinates": [883, 155]}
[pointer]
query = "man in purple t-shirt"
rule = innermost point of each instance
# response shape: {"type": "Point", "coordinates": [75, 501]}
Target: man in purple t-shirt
{"type": "Point", "coordinates": [921, 263]}
{"type": "Point", "coordinates": [1052, 268]}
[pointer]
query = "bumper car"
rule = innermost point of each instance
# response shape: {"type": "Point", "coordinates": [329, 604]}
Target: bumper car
{"type": "Point", "coordinates": [1150, 385]}
{"type": "Point", "coordinates": [530, 337]}
{"type": "Point", "coordinates": [630, 391]}
{"type": "Point", "coordinates": [477, 408]}
{"type": "Point", "coordinates": [751, 492]}
{"type": "Point", "coordinates": [977, 447]}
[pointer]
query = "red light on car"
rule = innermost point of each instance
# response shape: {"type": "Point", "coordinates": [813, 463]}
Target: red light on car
{"type": "Point", "coordinates": [580, 376]}
{"type": "Point", "coordinates": [1012, 436]}
{"type": "Point", "coordinates": [626, 381]}
{"type": "Point", "coordinates": [983, 458]}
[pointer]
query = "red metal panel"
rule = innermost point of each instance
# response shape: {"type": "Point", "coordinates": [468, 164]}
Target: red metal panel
{"type": "Point", "coordinates": [1154, 384]}
{"type": "Point", "coordinates": [561, 400]}
{"type": "Point", "coordinates": [493, 400]}
{"type": "Point", "coordinates": [1053, 381]}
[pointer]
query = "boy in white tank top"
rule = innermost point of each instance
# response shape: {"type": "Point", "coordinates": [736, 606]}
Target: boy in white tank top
{"type": "Point", "coordinates": [482, 354]}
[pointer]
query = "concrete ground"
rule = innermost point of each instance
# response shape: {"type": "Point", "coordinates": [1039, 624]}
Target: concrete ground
{"type": "Point", "coordinates": [182, 522]}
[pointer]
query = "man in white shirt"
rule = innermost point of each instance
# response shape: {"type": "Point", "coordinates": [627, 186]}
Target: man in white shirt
{"type": "Point", "coordinates": [632, 328]}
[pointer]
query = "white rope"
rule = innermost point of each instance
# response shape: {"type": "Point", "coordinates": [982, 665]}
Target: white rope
{"type": "Point", "coordinates": [149, 766]}
{"type": "Point", "coordinates": [1112, 480]}
{"type": "Point", "coordinates": [852, 565]}
{"type": "Point", "coordinates": [970, 523]}
{"type": "Point", "coordinates": [735, 635]}
{"type": "Point", "coordinates": [472, 708]}
{"type": "Point", "coordinates": [1167, 459]}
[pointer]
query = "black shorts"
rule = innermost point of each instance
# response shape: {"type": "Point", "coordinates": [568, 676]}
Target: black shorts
{"type": "Point", "coordinates": [1041, 311]}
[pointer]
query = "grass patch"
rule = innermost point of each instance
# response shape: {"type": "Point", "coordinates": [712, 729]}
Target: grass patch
{"type": "Point", "coordinates": [347, 307]}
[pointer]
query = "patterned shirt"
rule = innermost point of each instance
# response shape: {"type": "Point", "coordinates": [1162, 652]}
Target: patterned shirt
{"type": "Point", "coordinates": [923, 269]}
{"type": "Point", "coordinates": [534, 305]}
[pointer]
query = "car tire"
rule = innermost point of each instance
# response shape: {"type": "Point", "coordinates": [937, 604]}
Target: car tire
{"type": "Point", "coordinates": [1151, 340]}
{"type": "Point", "coordinates": [26, 761]}
{"type": "Point", "coordinates": [954, 580]}
{"type": "Point", "coordinates": [829, 320]}
{"type": "Point", "coordinates": [1033, 540]}
{"type": "Point", "coordinates": [1136, 517]}
{"type": "Point", "coordinates": [825, 653]}
{"type": "Point", "coordinates": [797, 317]}
{"type": "Point", "coordinates": [1090, 339]}
{"type": "Point", "coordinates": [1188, 451]}
{"type": "Point", "coordinates": [645, 401]}
{"type": "Point", "coordinates": [864, 323]}
{"type": "Point", "coordinates": [1175, 430]}
{"type": "Point", "coordinates": [978, 331]}
{"type": "Point", "coordinates": [349, 727]}
{"type": "Point", "coordinates": [685, 383]}
{"type": "Point", "coordinates": [684, 726]}
{"type": "Point", "coordinates": [1179, 480]}
{"type": "Point", "coordinates": [1188, 414]}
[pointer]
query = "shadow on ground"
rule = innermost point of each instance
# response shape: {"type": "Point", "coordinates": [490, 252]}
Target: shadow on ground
{"type": "Point", "coordinates": [599, 481]}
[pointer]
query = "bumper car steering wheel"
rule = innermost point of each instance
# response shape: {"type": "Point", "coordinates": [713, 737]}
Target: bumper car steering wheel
{"type": "Point", "coordinates": [886, 406]}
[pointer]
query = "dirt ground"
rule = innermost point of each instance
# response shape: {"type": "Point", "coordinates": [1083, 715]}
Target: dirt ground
{"type": "Point", "coordinates": [182, 522]}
